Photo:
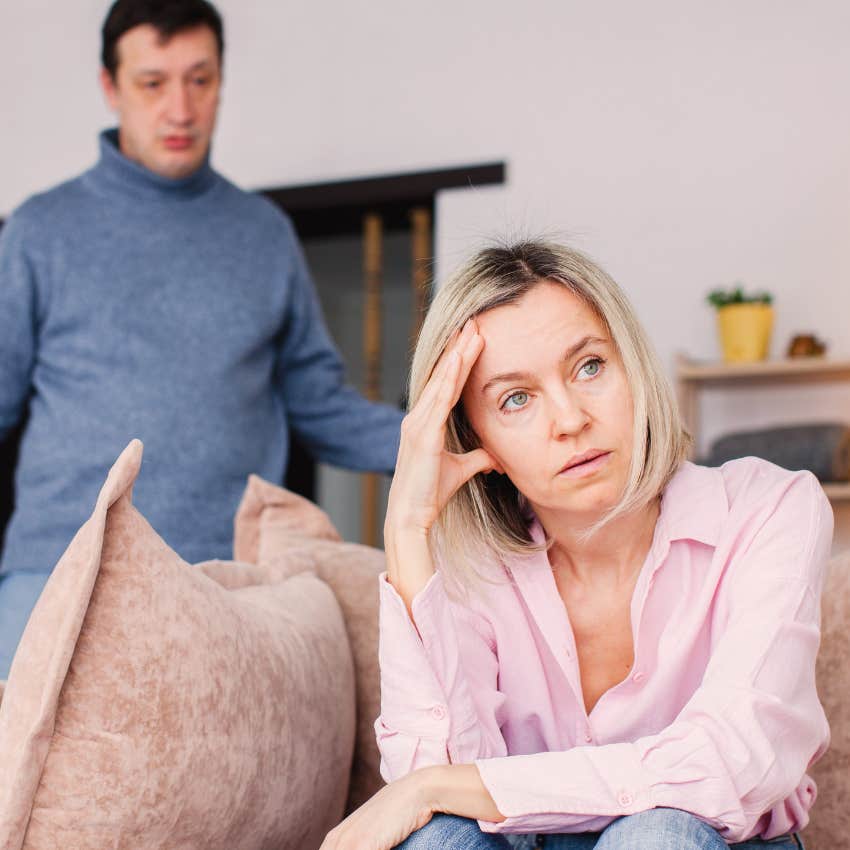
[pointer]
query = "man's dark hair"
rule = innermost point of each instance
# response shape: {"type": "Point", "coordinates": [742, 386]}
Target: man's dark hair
{"type": "Point", "coordinates": [168, 17]}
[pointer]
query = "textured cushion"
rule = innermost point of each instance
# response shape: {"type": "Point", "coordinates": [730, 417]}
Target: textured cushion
{"type": "Point", "coordinates": [830, 824]}
{"type": "Point", "coordinates": [150, 707]}
{"type": "Point", "coordinates": [285, 534]}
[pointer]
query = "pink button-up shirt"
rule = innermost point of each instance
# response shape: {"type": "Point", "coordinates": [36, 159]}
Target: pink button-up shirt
{"type": "Point", "coordinates": [719, 715]}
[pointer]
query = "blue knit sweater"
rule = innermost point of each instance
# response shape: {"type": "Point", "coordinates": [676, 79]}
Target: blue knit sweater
{"type": "Point", "coordinates": [177, 311]}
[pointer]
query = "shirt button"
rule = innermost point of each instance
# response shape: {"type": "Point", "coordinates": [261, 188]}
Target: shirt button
{"type": "Point", "coordinates": [438, 712]}
{"type": "Point", "coordinates": [625, 799]}
{"type": "Point", "coordinates": [639, 676]}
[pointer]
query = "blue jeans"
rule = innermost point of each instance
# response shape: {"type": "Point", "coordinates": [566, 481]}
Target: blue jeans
{"type": "Point", "coordinates": [19, 591]}
{"type": "Point", "coordinates": [655, 829]}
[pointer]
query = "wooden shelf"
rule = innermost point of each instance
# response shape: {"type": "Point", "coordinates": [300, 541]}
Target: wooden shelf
{"type": "Point", "coordinates": [766, 370]}
{"type": "Point", "coordinates": [692, 376]}
{"type": "Point", "coordinates": [837, 492]}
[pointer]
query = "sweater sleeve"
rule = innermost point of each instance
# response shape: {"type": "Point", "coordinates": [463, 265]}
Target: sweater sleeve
{"type": "Point", "coordinates": [439, 700]}
{"type": "Point", "coordinates": [18, 325]}
{"type": "Point", "coordinates": [742, 743]}
{"type": "Point", "coordinates": [331, 418]}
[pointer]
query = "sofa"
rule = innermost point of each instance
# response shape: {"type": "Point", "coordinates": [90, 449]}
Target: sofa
{"type": "Point", "coordinates": [154, 704]}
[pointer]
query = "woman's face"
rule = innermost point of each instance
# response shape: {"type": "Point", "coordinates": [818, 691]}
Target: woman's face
{"type": "Point", "coordinates": [549, 401]}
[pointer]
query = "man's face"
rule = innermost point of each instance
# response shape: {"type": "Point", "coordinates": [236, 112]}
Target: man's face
{"type": "Point", "coordinates": [166, 97]}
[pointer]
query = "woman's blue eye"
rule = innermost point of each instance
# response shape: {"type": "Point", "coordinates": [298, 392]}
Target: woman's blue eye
{"type": "Point", "coordinates": [515, 401]}
{"type": "Point", "coordinates": [592, 367]}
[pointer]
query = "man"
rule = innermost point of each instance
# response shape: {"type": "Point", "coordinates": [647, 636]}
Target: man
{"type": "Point", "coordinates": [151, 298]}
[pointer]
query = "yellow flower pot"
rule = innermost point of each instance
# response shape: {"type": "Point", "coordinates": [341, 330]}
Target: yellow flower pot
{"type": "Point", "coordinates": [745, 331]}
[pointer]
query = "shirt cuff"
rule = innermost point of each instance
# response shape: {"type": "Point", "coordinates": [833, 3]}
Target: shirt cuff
{"type": "Point", "coordinates": [581, 789]}
{"type": "Point", "coordinates": [412, 699]}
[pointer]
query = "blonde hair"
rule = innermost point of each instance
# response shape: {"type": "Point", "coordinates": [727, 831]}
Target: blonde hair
{"type": "Point", "coordinates": [488, 515]}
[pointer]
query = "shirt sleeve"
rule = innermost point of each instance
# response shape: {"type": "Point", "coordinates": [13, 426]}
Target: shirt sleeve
{"type": "Point", "coordinates": [18, 325]}
{"type": "Point", "coordinates": [336, 424]}
{"type": "Point", "coordinates": [439, 702]}
{"type": "Point", "coordinates": [742, 743]}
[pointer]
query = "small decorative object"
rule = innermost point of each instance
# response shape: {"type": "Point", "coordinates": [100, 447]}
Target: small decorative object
{"type": "Point", "coordinates": [745, 323]}
{"type": "Point", "coordinates": [806, 345]}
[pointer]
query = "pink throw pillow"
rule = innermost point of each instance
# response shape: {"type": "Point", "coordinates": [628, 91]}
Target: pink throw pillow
{"type": "Point", "coordinates": [150, 707]}
{"type": "Point", "coordinates": [285, 534]}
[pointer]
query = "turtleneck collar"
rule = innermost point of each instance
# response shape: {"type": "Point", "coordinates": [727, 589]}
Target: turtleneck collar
{"type": "Point", "coordinates": [114, 170]}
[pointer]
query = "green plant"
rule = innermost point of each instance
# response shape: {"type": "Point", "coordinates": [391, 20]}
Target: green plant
{"type": "Point", "coordinates": [724, 297]}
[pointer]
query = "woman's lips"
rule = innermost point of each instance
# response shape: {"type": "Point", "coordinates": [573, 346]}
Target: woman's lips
{"type": "Point", "coordinates": [588, 467]}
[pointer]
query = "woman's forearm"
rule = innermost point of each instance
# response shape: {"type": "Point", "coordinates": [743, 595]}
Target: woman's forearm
{"type": "Point", "coordinates": [409, 562]}
{"type": "Point", "coordinates": [457, 789]}
{"type": "Point", "coordinates": [426, 474]}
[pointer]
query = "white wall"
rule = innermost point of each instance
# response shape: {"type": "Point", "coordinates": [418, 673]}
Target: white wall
{"type": "Point", "coordinates": [684, 145]}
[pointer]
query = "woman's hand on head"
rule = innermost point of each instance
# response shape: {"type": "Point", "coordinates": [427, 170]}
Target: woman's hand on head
{"type": "Point", "coordinates": [427, 475]}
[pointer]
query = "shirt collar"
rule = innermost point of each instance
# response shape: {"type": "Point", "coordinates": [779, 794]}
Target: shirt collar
{"type": "Point", "coordinates": [114, 170]}
{"type": "Point", "coordinates": [694, 505]}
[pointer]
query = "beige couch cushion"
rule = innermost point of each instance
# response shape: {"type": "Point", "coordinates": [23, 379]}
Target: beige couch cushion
{"type": "Point", "coordinates": [286, 535]}
{"type": "Point", "coordinates": [830, 824]}
{"type": "Point", "coordinates": [150, 707]}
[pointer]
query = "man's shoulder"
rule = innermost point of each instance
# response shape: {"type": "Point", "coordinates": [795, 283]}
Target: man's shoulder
{"type": "Point", "coordinates": [47, 208]}
{"type": "Point", "coordinates": [255, 205]}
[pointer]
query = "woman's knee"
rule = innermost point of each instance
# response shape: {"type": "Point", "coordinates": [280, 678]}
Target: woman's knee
{"type": "Point", "coordinates": [661, 829]}
{"type": "Point", "coordinates": [450, 832]}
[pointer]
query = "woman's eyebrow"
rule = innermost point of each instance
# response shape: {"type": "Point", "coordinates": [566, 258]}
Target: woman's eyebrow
{"type": "Point", "coordinates": [583, 343]}
{"type": "Point", "coordinates": [509, 377]}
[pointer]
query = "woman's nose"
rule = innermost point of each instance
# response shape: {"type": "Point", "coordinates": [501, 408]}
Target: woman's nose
{"type": "Point", "coordinates": [567, 416]}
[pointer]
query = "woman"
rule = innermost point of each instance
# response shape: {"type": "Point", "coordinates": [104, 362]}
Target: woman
{"type": "Point", "coordinates": [585, 640]}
